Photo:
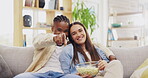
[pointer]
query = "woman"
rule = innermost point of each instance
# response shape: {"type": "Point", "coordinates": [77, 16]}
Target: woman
{"type": "Point", "coordinates": [82, 50]}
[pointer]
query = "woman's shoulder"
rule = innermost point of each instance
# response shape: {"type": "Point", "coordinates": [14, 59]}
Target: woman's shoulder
{"type": "Point", "coordinates": [96, 47]}
{"type": "Point", "coordinates": [68, 48]}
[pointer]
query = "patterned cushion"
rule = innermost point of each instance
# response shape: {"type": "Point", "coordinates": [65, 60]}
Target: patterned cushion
{"type": "Point", "coordinates": [142, 71]}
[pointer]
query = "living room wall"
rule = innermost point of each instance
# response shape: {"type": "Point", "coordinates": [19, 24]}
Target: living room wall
{"type": "Point", "coordinates": [6, 22]}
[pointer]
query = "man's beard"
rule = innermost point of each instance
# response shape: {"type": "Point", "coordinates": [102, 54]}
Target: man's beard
{"type": "Point", "coordinates": [60, 44]}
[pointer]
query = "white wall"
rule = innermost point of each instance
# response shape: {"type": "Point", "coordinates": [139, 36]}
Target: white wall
{"type": "Point", "coordinates": [6, 22]}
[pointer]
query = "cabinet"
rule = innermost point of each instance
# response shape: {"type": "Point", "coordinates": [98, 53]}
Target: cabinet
{"type": "Point", "coordinates": [37, 15]}
{"type": "Point", "coordinates": [130, 34]}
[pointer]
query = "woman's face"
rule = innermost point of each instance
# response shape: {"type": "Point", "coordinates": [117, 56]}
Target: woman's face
{"type": "Point", "coordinates": [78, 34]}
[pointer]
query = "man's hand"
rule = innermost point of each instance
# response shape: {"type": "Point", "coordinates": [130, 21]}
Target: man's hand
{"type": "Point", "coordinates": [112, 57]}
{"type": "Point", "coordinates": [64, 39]}
{"type": "Point", "coordinates": [60, 39]}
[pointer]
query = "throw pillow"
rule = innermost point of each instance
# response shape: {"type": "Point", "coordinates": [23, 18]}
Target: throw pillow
{"type": "Point", "coordinates": [142, 71]}
{"type": "Point", "coordinates": [5, 72]}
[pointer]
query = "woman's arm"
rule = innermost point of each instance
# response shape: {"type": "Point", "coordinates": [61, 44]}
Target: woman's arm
{"type": "Point", "coordinates": [110, 55]}
{"type": "Point", "coordinates": [66, 59]}
{"type": "Point", "coordinates": [102, 54]}
{"type": "Point", "coordinates": [102, 64]}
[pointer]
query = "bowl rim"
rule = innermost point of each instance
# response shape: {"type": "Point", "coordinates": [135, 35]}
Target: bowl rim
{"type": "Point", "coordinates": [89, 63]}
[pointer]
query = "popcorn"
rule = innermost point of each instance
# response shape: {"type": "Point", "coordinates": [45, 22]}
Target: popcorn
{"type": "Point", "coordinates": [87, 69]}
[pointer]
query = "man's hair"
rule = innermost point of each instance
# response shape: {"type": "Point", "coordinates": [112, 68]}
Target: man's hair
{"type": "Point", "coordinates": [61, 18]}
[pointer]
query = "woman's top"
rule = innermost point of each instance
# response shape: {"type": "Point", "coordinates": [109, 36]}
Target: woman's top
{"type": "Point", "coordinates": [67, 55]}
{"type": "Point", "coordinates": [88, 55]}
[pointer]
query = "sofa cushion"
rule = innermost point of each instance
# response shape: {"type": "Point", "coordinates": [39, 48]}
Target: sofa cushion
{"type": "Point", "coordinates": [17, 58]}
{"type": "Point", "coordinates": [5, 71]}
{"type": "Point", "coordinates": [142, 71]}
{"type": "Point", "coordinates": [131, 58]}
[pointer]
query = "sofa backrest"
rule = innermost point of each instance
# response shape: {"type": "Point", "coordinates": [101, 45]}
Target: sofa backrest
{"type": "Point", "coordinates": [17, 58]}
{"type": "Point", "coordinates": [131, 58]}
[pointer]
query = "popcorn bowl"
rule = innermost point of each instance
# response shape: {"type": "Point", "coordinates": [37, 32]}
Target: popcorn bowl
{"type": "Point", "coordinates": [88, 68]}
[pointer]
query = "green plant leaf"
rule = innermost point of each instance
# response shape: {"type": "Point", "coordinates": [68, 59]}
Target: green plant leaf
{"type": "Point", "coordinates": [85, 15]}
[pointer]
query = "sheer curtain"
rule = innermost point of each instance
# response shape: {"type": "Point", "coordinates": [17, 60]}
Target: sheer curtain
{"type": "Point", "coordinates": [6, 22]}
{"type": "Point", "coordinates": [145, 8]}
{"type": "Point", "coordinates": [144, 5]}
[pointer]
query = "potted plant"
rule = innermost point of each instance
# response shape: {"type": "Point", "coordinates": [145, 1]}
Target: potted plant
{"type": "Point", "coordinates": [84, 15]}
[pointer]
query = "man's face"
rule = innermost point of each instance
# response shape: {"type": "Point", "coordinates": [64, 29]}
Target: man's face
{"type": "Point", "coordinates": [60, 27]}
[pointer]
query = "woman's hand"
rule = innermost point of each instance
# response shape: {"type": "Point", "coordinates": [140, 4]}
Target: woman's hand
{"type": "Point", "coordinates": [84, 76]}
{"type": "Point", "coordinates": [102, 64]}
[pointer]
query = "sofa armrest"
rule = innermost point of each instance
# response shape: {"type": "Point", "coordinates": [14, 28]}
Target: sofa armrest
{"type": "Point", "coordinates": [17, 58]}
{"type": "Point", "coordinates": [5, 71]}
{"type": "Point", "coordinates": [131, 58]}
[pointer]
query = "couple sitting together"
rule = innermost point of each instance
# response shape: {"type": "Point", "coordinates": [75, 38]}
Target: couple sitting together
{"type": "Point", "coordinates": [56, 56]}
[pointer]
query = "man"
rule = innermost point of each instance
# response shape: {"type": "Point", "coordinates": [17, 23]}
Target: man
{"type": "Point", "coordinates": [47, 50]}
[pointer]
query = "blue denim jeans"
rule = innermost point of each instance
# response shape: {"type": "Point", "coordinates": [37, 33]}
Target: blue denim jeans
{"type": "Point", "coordinates": [49, 74]}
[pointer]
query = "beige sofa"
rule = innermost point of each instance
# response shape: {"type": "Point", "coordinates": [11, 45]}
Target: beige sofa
{"type": "Point", "coordinates": [19, 58]}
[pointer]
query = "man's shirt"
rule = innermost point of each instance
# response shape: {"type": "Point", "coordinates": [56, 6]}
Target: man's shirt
{"type": "Point", "coordinates": [53, 63]}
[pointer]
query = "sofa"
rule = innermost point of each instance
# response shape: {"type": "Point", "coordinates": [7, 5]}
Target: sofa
{"type": "Point", "coordinates": [19, 58]}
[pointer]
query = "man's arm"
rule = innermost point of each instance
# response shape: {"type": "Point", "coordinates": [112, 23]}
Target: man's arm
{"type": "Point", "coordinates": [43, 40]}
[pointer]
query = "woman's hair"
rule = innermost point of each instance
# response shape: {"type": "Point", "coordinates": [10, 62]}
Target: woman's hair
{"type": "Point", "coordinates": [88, 45]}
{"type": "Point", "coordinates": [61, 18]}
